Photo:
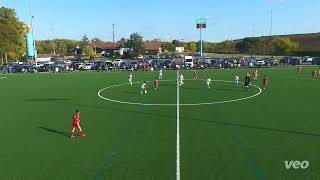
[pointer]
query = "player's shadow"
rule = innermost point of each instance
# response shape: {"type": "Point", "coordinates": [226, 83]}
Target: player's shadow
{"type": "Point", "coordinates": [228, 89]}
{"type": "Point", "coordinates": [130, 92]}
{"type": "Point", "coordinates": [46, 99]}
{"type": "Point", "coordinates": [65, 134]}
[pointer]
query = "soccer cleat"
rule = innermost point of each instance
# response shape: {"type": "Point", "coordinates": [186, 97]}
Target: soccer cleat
{"type": "Point", "coordinates": [83, 135]}
{"type": "Point", "coordinates": [72, 136]}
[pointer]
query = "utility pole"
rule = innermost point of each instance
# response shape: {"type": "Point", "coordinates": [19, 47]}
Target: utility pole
{"type": "Point", "coordinates": [253, 31]}
{"type": "Point", "coordinates": [271, 22]}
{"type": "Point", "coordinates": [53, 42]}
{"type": "Point", "coordinates": [201, 43]}
{"type": "Point", "coordinates": [114, 47]}
{"type": "Point", "coordinates": [54, 47]}
{"type": "Point", "coordinates": [253, 40]}
{"type": "Point", "coordinates": [32, 31]}
{"type": "Point", "coordinates": [95, 47]}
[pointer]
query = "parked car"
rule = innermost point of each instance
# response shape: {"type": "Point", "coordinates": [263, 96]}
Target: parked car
{"type": "Point", "coordinates": [316, 61]}
{"type": "Point", "coordinates": [46, 68]}
{"type": "Point", "coordinates": [118, 62]}
{"type": "Point", "coordinates": [261, 63]}
{"type": "Point", "coordinates": [29, 69]}
{"type": "Point", "coordinates": [271, 63]}
{"type": "Point", "coordinates": [87, 66]}
{"type": "Point", "coordinates": [17, 69]}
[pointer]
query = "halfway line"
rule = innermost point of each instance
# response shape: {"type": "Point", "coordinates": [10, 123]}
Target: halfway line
{"type": "Point", "coordinates": [178, 131]}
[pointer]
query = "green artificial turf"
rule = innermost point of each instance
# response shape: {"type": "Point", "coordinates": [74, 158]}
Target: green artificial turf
{"type": "Point", "coordinates": [248, 139]}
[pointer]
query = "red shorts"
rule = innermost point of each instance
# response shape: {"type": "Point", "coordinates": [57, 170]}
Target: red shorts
{"type": "Point", "coordinates": [75, 125]}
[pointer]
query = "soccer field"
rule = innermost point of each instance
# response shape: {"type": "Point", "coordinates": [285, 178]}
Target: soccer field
{"type": "Point", "coordinates": [226, 133]}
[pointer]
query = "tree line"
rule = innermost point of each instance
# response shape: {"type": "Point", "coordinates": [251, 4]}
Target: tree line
{"type": "Point", "coordinates": [274, 45]}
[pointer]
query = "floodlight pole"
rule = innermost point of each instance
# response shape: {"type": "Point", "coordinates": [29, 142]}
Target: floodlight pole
{"type": "Point", "coordinates": [34, 41]}
{"type": "Point", "coordinates": [201, 42]}
{"type": "Point", "coordinates": [271, 22]}
{"type": "Point", "coordinates": [114, 47]}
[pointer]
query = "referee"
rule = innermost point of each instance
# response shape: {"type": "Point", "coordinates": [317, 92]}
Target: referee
{"type": "Point", "coordinates": [247, 81]}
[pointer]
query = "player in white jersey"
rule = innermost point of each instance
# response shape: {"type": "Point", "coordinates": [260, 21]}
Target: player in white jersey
{"type": "Point", "coordinates": [181, 79]}
{"type": "Point", "coordinates": [208, 81]}
{"type": "Point", "coordinates": [236, 79]}
{"type": "Point", "coordinates": [130, 79]}
{"type": "Point", "coordinates": [56, 70]}
{"type": "Point", "coordinates": [160, 74]}
{"type": "Point", "coordinates": [144, 88]}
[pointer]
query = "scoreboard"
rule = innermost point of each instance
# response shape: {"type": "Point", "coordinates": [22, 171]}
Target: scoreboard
{"type": "Point", "coordinates": [201, 24]}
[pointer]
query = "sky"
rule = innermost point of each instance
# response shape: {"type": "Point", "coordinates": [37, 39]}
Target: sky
{"type": "Point", "coordinates": [167, 19]}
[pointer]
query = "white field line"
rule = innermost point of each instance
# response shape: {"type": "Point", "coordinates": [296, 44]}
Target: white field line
{"type": "Point", "coordinates": [194, 104]}
{"type": "Point", "coordinates": [178, 131]}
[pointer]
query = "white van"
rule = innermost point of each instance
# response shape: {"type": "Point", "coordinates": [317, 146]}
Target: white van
{"type": "Point", "coordinates": [188, 61]}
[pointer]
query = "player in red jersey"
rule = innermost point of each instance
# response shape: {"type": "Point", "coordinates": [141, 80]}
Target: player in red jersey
{"type": "Point", "coordinates": [255, 74]}
{"type": "Point", "coordinates": [265, 82]}
{"type": "Point", "coordinates": [314, 74]}
{"type": "Point", "coordinates": [76, 124]}
{"type": "Point", "coordinates": [156, 83]}
{"type": "Point", "coordinates": [195, 75]}
{"type": "Point", "coordinates": [299, 71]}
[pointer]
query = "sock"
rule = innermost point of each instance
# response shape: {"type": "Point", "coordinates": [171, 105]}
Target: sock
{"type": "Point", "coordinates": [81, 133]}
{"type": "Point", "coordinates": [72, 133]}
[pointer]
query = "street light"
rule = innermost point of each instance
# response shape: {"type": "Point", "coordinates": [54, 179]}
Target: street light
{"type": "Point", "coordinates": [114, 47]}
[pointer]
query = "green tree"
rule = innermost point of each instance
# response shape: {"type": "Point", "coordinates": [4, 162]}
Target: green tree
{"type": "Point", "coordinates": [11, 34]}
{"type": "Point", "coordinates": [123, 40]}
{"type": "Point", "coordinates": [191, 46]}
{"type": "Point", "coordinates": [283, 46]}
{"type": "Point", "coordinates": [86, 47]}
{"type": "Point", "coordinates": [96, 40]}
{"type": "Point", "coordinates": [246, 45]}
{"type": "Point", "coordinates": [84, 41]}
{"type": "Point", "coordinates": [136, 45]}
{"type": "Point", "coordinates": [177, 43]}
{"type": "Point", "coordinates": [168, 46]}
{"type": "Point", "coordinates": [228, 46]}
{"type": "Point", "coordinates": [88, 51]}
{"type": "Point", "coordinates": [204, 46]}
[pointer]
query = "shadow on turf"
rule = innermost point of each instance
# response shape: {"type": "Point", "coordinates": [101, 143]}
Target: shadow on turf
{"type": "Point", "coordinates": [257, 127]}
{"type": "Point", "coordinates": [96, 107]}
{"type": "Point", "coordinates": [54, 131]}
{"type": "Point", "coordinates": [217, 89]}
{"type": "Point", "coordinates": [46, 99]}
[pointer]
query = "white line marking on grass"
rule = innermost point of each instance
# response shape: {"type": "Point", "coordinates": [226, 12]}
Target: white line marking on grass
{"type": "Point", "coordinates": [194, 104]}
{"type": "Point", "coordinates": [178, 131]}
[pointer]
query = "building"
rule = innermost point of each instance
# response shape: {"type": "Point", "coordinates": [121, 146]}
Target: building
{"type": "Point", "coordinates": [107, 47]}
{"type": "Point", "coordinates": [179, 49]}
{"type": "Point", "coordinates": [151, 47]}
